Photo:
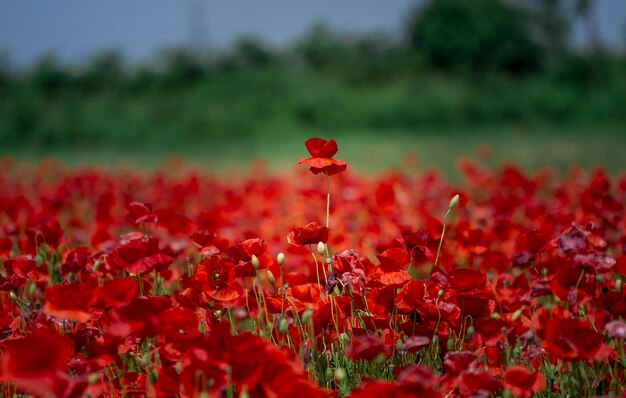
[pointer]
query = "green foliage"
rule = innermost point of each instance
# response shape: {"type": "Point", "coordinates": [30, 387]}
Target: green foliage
{"type": "Point", "coordinates": [478, 36]}
{"type": "Point", "coordinates": [327, 81]}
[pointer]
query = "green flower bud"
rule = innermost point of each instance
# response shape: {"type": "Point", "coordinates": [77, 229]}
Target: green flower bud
{"type": "Point", "coordinates": [145, 359]}
{"type": "Point", "coordinates": [280, 258]}
{"type": "Point", "coordinates": [93, 378]}
{"type": "Point", "coordinates": [340, 374]}
{"type": "Point", "coordinates": [270, 277]}
{"type": "Point", "coordinates": [618, 285]}
{"type": "Point", "coordinates": [13, 296]}
{"type": "Point", "coordinates": [440, 293]}
{"type": "Point", "coordinates": [321, 248]}
{"type": "Point", "coordinates": [454, 202]}
{"type": "Point", "coordinates": [329, 373]}
{"type": "Point", "coordinates": [450, 344]}
{"type": "Point", "coordinates": [255, 262]}
{"type": "Point", "coordinates": [470, 332]}
{"type": "Point", "coordinates": [307, 315]}
{"type": "Point", "coordinates": [516, 315]}
{"type": "Point", "coordinates": [283, 326]}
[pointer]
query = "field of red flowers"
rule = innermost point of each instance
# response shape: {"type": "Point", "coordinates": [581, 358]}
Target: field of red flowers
{"type": "Point", "coordinates": [403, 284]}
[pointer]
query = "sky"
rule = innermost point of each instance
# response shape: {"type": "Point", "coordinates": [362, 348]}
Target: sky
{"type": "Point", "coordinates": [75, 30]}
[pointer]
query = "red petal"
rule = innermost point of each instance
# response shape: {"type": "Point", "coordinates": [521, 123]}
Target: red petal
{"type": "Point", "coordinates": [320, 148]}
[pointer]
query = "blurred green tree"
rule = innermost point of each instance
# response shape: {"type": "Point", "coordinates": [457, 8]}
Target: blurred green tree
{"type": "Point", "coordinates": [477, 36]}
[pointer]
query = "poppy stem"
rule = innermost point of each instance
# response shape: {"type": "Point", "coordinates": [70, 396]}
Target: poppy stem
{"type": "Point", "coordinates": [443, 233]}
{"type": "Point", "coordinates": [327, 199]}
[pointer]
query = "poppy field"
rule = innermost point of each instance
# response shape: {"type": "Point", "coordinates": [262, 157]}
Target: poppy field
{"type": "Point", "coordinates": [317, 281]}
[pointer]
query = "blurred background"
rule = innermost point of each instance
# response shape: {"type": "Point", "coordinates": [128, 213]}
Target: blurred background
{"type": "Point", "coordinates": [219, 83]}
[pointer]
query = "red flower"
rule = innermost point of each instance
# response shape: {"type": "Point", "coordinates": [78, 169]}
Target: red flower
{"type": "Point", "coordinates": [217, 276]}
{"type": "Point", "coordinates": [521, 381]}
{"type": "Point", "coordinates": [179, 324]}
{"type": "Point", "coordinates": [140, 213]}
{"type": "Point", "coordinates": [70, 301]}
{"type": "Point", "coordinates": [36, 362]}
{"type": "Point", "coordinates": [310, 234]}
{"type": "Point", "coordinates": [365, 347]}
{"type": "Point", "coordinates": [321, 160]}
{"type": "Point", "coordinates": [118, 291]}
{"type": "Point", "coordinates": [138, 254]}
{"type": "Point", "coordinates": [574, 339]}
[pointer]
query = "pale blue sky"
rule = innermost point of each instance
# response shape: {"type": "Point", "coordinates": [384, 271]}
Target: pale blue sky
{"type": "Point", "coordinates": [77, 29]}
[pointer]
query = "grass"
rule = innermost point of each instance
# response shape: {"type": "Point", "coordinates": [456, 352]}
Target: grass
{"type": "Point", "coordinates": [370, 152]}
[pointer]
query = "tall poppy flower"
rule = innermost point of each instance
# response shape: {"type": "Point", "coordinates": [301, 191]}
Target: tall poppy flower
{"type": "Point", "coordinates": [321, 160]}
{"type": "Point", "coordinates": [310, 234]}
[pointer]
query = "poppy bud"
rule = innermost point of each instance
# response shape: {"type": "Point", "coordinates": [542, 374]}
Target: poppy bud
{"type": "Point", "coordinates": [344, 337]}
{"type": "Point", "coordinates": [244, 394]}
{"type": "Point", "coordinates": [93, 378]}
{"type": "Point", "coordinates": [440, 293]}
{"type": "Point", "coordinates": [599, 278]}
{"type": "Point", "coordinates": [470, 332]}
{"type": "Point", "coordinates": [280, 258]}
{"type": "Point", "coordinates": [13, 296]}
{"type": "Point", "coordinates": [340, 374]}
{"type": "Point", "coordinates": [145, 359]}
{"type": "Point", "coordinates": [283, 326]}
{"type": "Point", "coordinates": [329, 373]}
{"type": "Point", "coordinates": [321, 248]}
{"type": "Point", "coordinates": [255, 261]}
{"type": "Point", "coordinates": [494, 315]}
{"type": "Point", "coordinates": [450, 344]}
{"type": "Point", "coordinates": [516, 315]}
{"type": "Point", "coordinates": [307, 315]}
{"type": "Point", "coordinates": [270, 277]}
{"type": "Point", "coordinates": [328, 260]}
{"type": "Point", "coordinates": [454, 201]}
{"type": "Point", "coordinates": [618, 285]}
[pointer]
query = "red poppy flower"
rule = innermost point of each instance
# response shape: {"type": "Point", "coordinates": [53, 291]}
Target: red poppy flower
{"type": "Point", "coordinates": [117, 291]}
{"type": "Point", "coordinates": [70, 301]}
{"type": "Point", "coordinates": [574, 339]}
{"type": "Point", "coordinates": [140, 213]}
{"type": "Point", "coordinates": [179, 324]}
{"type": "Point", "coordinates": [35, 362]}
{"type": "Point", "coordinates": [521, 381]}
{"type": "Point", "coordinates": [217, 275]}
{"type": "Point", "coordinates": [138, 254]}
{"type": "Point", "coordinates": [310, 234]}
{"type": "Point", "coordinates": [365, 347]}
{"type": "Point", "coordinates": [139, 316]}
{"type": "Point", "coordinates": [321, 160]}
